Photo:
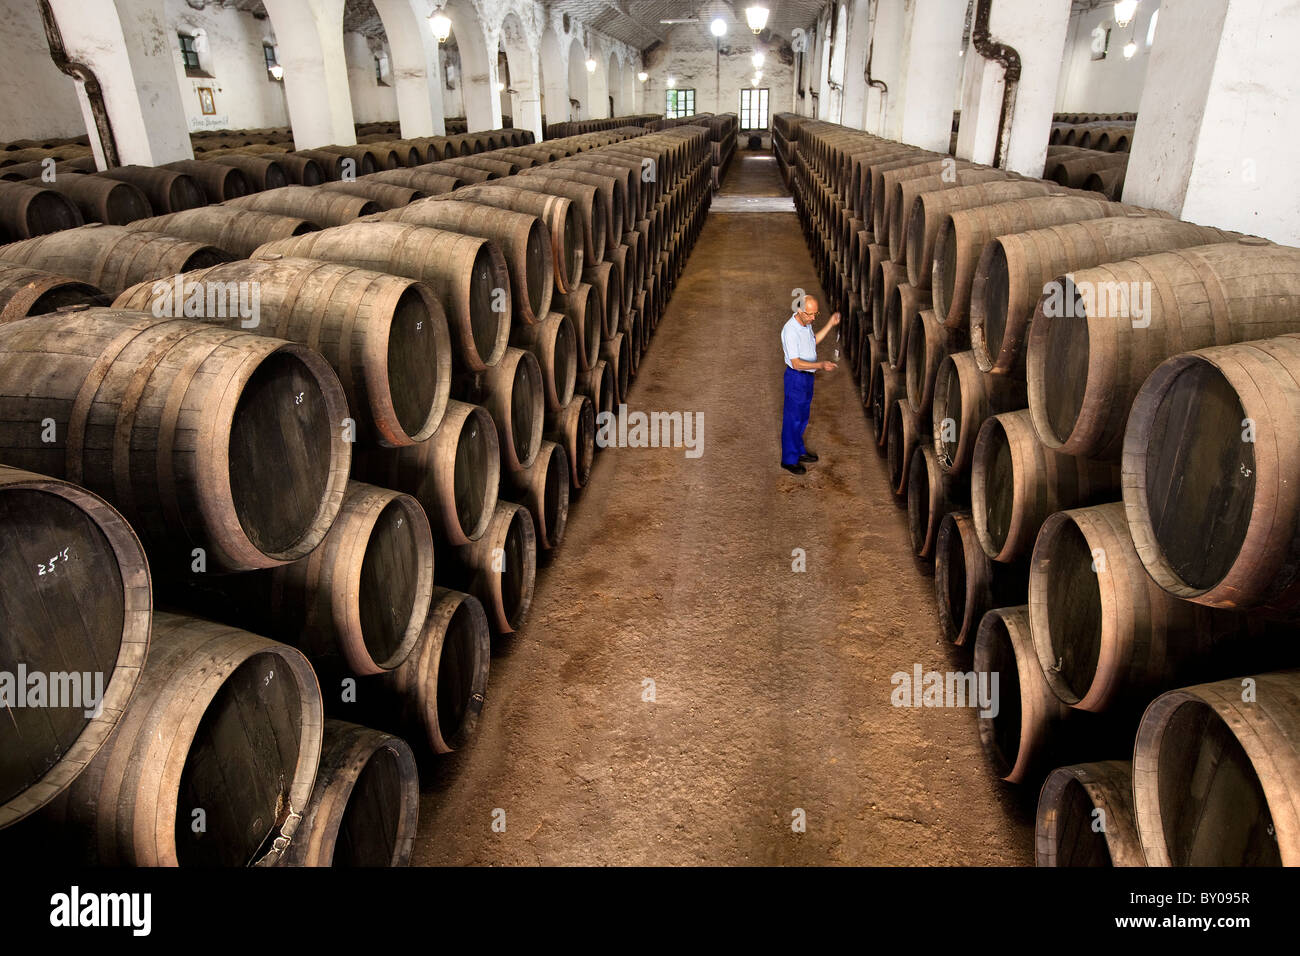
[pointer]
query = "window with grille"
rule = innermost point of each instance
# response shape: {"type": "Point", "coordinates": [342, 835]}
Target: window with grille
{"type": "Point", "coordinates": [679, 103]}
{"type": "Point", "coordinates": [268, 51]}
{"type": "Point", "coordinates": [753, 109]}
{"type": "Point", "coordinates": [189, 51]}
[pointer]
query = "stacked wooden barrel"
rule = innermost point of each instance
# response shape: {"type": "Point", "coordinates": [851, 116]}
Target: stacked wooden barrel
{"type": "Point", "coordinates": [334, 439]}
{"type": "Point", "coordinates": [1084, 406]}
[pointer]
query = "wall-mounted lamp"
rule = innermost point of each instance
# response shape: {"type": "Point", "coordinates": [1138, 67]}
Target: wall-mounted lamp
{"type": "Point", "coordinates": [643, 76]}
{"type": "Point", "coordinates": [277, 71]}
{"type": "Point", "coordinates": [1130, 48]}
{"type": "Point", "coordinates": [756, 17]}
{"type": "Point", "coordinates": [441, 26]}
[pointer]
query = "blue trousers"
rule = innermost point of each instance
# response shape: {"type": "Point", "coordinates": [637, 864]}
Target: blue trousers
{"type": "Point", "coordinates": [794, 414]}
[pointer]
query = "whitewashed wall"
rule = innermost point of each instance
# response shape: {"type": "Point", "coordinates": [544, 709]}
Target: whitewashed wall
{"type": "Point", "coordinates": [371, 102]}
{"type": "Point", "coordinates": [1112, 85]}
{"type": "Point", "coordinates": [36, 100]}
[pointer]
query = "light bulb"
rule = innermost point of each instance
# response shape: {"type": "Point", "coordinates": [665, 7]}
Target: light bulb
{"type": "Point", "coordinates": [718, 27]}
{"type": "Point", "coordinates": [756, 17]}
{"type": "Point", "coordinates": [1124, 10]}
{"type": "Point", "coordinates": [1129, 49]}
{"type": "Point", "coordinates": [441, 26]}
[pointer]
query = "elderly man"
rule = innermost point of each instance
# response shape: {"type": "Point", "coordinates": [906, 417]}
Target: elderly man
{"type": "Point", "coordinates": [800, 345]}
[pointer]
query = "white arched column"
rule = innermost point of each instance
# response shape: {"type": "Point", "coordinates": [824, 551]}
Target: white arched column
{"type": "Point", "coordinates": [525, 76]}
{"type": "Point", "coordinates": [478, 69]}
{"type": "Point", "coordinates": [417, 79]}
{"type": "Point", "coordinates": [125, 43]}
{"type": "Point", "coordinates": [579, 85]}
{"type": "Point", "coordinates": [554, 77]}
{"type": "Point", "coordinates": [309, 38]}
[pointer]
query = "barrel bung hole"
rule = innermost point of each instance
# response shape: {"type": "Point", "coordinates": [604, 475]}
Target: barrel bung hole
{"type": "Point", "coordinates": [240, 765]}
{"type": "Point", "coordinates": [390, 581]}
{"type": "Point", "coordinates": [281, 441]}
{"type": "Point", "coordinates": [413, 371]}
{"type": "Point", "coordinates": [1223, 820]}
{"type": "Point", "coordinates": [62, 608]}
{"type": "Point", "coordinates": [1001, 734]}
{"type": "Point", "coordinates": [1063, 367]}
{"type": "Point", "coordinates": [1074, 612]}
{"type": "Point", "coordinates": [1198, 466]}
{"type": "Point", "coordinates": [368, 832]}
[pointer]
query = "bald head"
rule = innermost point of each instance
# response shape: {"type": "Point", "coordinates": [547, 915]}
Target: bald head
{"type": "Point", "coordinates": [808, 313]}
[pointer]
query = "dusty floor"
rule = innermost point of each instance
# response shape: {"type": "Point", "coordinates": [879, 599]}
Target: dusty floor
{"type": "Point", "coordinates": [771, 688]}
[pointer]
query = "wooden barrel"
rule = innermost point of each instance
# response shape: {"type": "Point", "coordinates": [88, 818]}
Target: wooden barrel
{"type": "Point", "coordinates": [902, 437]}
{"type": "Point", "coordinates": [929, 209]}
{"type": "Point", "coordinates": [100, 200]}
{"type": "Point", "coordinates": [967, 583]}
{"type": "Point", "coordinates": [454, 475]}
{"type": "Point", "coordinates": [559, 214]}
{"type": "Point", "coordinates": [468, 274]}
{"type": "Point", "coordinates": [170, 420]}
{"type": "Point", "coordinates": [583, 307]}
{"type": "Point", "coordinates": [77, 613]}
{"type": "Point", "coordinates": [167, 189]}
{"type": "Point", "coordinates": [384, 195]}
{"type": "Point", "coordinates": [384, 335]}
{"type": "Point", "coordinates": [523, 239]}
{"type": "Point", "coordinates": [624, 265]}
{"type": "Point", "coordinates": [1012, 271]}
{"type": "Point", "coordinates": [573, 428]}
{"type": "Point", "coordinates": [218, 181]}
{"type": "Point", "coordinates": [903, 195]}
{"type": "Point", "coordinates": [263, 172]}
{"type": "Point", "coordinates": [963, 398]}
{"type": "Point", "coordinates": [1245, 760]}
{"type": "Point", "coordinates": [361, 597]}
{"type": "Point", "coordinates": [928, 343]}
{"type": "Point", "coordinates": [1020, 730]}
{"type": "Point", "coordinates": [462, 173]}
{"type": "Point", "coordinates": [1074, 171]}
{"type": "Point", "coordinates": [28, 210]}
{"type": "Point", "coordinates": [588, 201]}
{"type": "Point", "coordinates": [213, 762]}
{"type": "Point", "coordinates": [888, 276]}
{"type": "Point", "coordinates": [298, 170]}
{"type": "Point", "coordinates": [499, 568]}
{"type": "Point", "coordinates": [332, 164]}
{"type": "Point", "coordinates": [963, 234]}
{"type": "Point", "coordinates": [609, 291]}
{"type": "Point", "coordinates": [597, 383]}
{"type": "Point", "coordinates": [543, 488]}
{"type": "Point", "coordinates": [883, 177]}
{"type": "Point", "coordinates": [513, 393]}
{"type": "Point", "coordinates": [627, 174]}
{"type": "Point", "coordinates": [1086, 817]}
{"type": "Point", "coordinates": [437, 693]}
{"type": "Point", "coordinates": [365, 159]}
{"type": "Point", "coordinates": [1106, 633]}
{"type": "Point", "coordinates": [903, 303]}
{"type": "Point", "coordinates": [364, 804]}
{"type": "Point", "coordinates": [612, 191]}
{"type": "Point", "coordinates": [931, 494]}
{"type": "Point", "coordinates": [1017, 482]}
{"type": "Point", "coordinates": [1096, 360]}
{"type": "Point", "coordinates": [1211, 495]}
{"type": "Point", "coordinates": [614, 352]}
{"type": "Point", "coordinates": [554, 344]}
{"type": "Point", "coordinates": [1108, 182]}
{"type": "Point", "coordinates": [236, 231]}
{"type": "Point", "coordinates": [112, 258]}
{"type": "Point", "coordinates": [25, 291]}
{"type": "Point", "coordinates": [310, 203]}
{"type": "Point", "coordinates": [887, 389]}
{"type": "Point", "coordinates": [497, 163]}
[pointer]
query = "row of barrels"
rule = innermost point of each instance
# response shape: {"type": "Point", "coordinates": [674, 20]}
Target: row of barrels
{"type": "Point", "coordinates": [1088, 169]}
{"type": "Point", "coordinates": [1109, 137]}
{"type": "Point", "coordinates": [37, 198]}
{"type": "Point", "coordinates": [334, 610]}
{"type": "Point", "coordinates": [1076, 118]}
{"type": "Point", "coordinates": [576, 127]}
{"type": "Point", "coordinates": [1081, 405]}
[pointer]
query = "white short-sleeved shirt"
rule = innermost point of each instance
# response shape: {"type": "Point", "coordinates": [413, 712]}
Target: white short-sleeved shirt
{"type": "Point", "coordinates": [798, 341]}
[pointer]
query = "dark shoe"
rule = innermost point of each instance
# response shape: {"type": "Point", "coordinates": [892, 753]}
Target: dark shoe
{"type": "Point", "coordinates": [794, 469]}
{"type": "Point", "coordinates": [808, 455]}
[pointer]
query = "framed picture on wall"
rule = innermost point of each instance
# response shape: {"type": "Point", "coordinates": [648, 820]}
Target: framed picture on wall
{"type": "Point", "coordinates": [207, 103]}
